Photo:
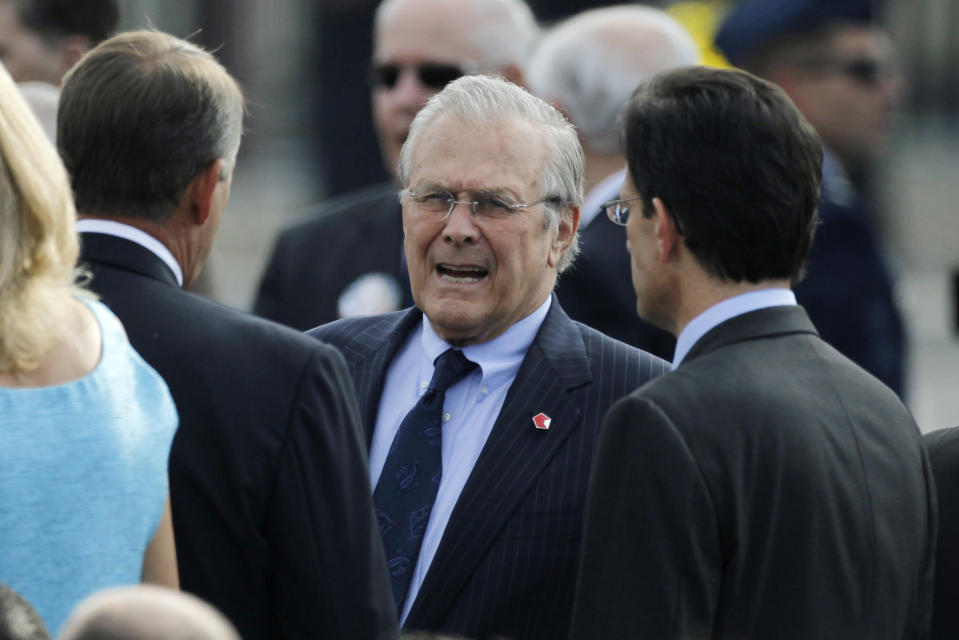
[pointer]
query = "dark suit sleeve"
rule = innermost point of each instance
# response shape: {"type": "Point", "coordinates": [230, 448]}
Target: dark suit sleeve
{"type": "Point", "coordinates": [943, 449]}
{"type": "Point", "coordinates": [650, 565]}
{"type": "Point", "coordinates": [272, 293]}
{"type": "Point", "coordinates": [335, 584]}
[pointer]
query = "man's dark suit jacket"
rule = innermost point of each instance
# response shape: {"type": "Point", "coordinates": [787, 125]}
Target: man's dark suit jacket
{"type": "Point", "coordinates": [314, 261]}
{"type": "Point", "coordinates": [268, 478]}
{"type": "Point", "coordinates": [943, 449]}
{"type": "Point", "coordinates": [766, 488]}
{"type": "Point", "coordinates": [598, 290]}
{"type": "Point", "coordinates": [507, 561]}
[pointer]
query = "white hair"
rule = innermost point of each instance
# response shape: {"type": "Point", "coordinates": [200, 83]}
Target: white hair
{"type": "Point", "coordinates": [487, 100]}
{"type": "Point", "coordinates": [504, 32]}
{"type": "Point", "coordinates": [591, 63]}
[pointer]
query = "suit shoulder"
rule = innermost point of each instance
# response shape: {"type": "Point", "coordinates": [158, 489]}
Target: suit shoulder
{"type": "Point", "coordinates": [349, 332]}
{"type": "Point", "coordinates": [610, 351]}
{"type": "Point", "coordinates": [943, 445]}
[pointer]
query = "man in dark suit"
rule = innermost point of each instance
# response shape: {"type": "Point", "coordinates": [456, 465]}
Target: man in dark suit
{"type": "Point", "coordinates": [268, 479]}
{"type": "Point", "coordinates": [494, 184]}
{"type": "Point", "coordinates": [588, 66]}
{"type": "Point", "coordinates": [768, 487]}
{"type": "Point", "coordinates": [347, 258]}
{"type": "Point", "coordinates": [836, 64]}
{"type": "Point", "coordinates": [943, 449]}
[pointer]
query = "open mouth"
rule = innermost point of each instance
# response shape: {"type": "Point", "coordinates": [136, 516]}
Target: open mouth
{"type": "Point", "coordinates": [461, 274]}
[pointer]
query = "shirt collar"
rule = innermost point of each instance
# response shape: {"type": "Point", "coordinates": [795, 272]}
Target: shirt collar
{"type": "Point", "coordinates": [606, 190]}
{"type": "Point", "coordinates": [128, 232]}
{"type": "Point", "coordinates": [723, 311]}
{"type": "Point", "coordinates": [499, 359]}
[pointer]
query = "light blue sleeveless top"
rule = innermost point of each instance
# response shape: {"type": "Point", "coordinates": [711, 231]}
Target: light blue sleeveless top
{"type": "Point", "coordinates": [83, 477]}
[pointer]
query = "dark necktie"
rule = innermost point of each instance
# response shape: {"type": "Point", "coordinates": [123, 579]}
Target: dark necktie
{"type": "Point", "coordinates": [407, 486]}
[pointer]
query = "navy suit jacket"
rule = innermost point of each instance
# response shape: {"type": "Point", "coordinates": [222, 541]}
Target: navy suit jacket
{"type": "Point", "coordinates": [506, 564]}
{"type": "Point", "coordinates": [268, 479]}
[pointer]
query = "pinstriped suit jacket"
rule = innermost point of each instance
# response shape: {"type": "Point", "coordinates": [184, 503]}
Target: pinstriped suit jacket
{"type": "Point", "coordinates": [507, 561]}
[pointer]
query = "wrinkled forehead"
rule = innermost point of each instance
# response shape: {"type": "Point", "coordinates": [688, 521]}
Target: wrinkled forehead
{"type": "Point", "coordinates": [413, 31]}
{"type": "Point", "coordinates": [506, 155]}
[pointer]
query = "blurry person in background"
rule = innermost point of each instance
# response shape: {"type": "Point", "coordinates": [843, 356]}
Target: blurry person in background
{"type": "Point", "coordinates": [836, 64]}
{"type": "Point", "coordinates": [347, 258]}
{"type": "Point", "coordinates": [268, 478]}
{"type": "Point", "coordinates": [41, 39]}
{"type": "Point", "coordinates": [85, 424]}
{"type": "Point", "coordinates": [588, 66]}
{"type": "Point", "coordinates": [146, 613]}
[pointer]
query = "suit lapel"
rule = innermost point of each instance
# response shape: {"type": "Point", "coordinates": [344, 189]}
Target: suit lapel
{"type": "Point", "coordinates": [124, 254]}
{"type": "Point", "coordinates": [767, 322]}
{"type": "Point", "coordinates": [369, 356]}
{"type": "Point", "coordinates": [511, 461]}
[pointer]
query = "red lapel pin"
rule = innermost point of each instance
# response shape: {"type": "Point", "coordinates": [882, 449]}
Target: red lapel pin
{"type": "Point", "coordinates": [541, 420]}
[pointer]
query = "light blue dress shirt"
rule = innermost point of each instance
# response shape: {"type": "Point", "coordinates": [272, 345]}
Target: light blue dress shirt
{"type": "Point", "coordinates": [723, 311]}
{"type": "Point", "coordinates": [469, 411]}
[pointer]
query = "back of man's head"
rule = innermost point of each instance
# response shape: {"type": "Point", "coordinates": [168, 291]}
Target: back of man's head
{"type": "Point", "coordinates": [420, 45]}
{"type": "Point", "coordinates": [591, 63]}
{"type": "Point", "coordinates": [140, 116]}
{"type": "Point", "coordinates": [736, 165]}
{"type": "Point", "coordinates": [18, 619]}
{"type": "Point", "coordinates": [146, 613]}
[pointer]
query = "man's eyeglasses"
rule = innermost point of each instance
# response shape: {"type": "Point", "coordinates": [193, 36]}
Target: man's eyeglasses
{"type": "Point", "coordinates": [434, 75]}
{"type": "Point", "coordinates": [617, 210]}
{"type": "Point", "coordinates": [870, 72]}
{"type": "Point", "coordinates": [440, 204]}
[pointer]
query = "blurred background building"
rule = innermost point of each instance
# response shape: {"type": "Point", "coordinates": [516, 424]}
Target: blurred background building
{"type": "Point", "coordinates": [303, 66]}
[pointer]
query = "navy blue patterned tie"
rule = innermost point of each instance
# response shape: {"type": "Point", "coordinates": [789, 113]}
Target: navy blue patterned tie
{"type": "Point", "coordinates": [407, 486]}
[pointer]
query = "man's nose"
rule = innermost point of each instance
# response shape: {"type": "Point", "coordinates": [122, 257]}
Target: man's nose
{"type": "Point", "coordinates": [461, 225]}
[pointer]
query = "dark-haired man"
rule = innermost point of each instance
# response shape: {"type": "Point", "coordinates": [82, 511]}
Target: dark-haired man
{"type": "Point", "coordinates": [268, 481]}
{"type": "Point", "coordinates": [41, 39]}
{"type": "Point", "coordinates": [767, 487]}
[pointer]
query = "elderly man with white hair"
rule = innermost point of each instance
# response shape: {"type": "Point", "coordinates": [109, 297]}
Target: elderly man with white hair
{"type": "Point", "coordinates": [347, 258]}
{"type": "Point", "coordinates": [588, 66]}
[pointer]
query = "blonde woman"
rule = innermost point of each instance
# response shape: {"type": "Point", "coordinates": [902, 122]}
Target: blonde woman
{"type": "Point", "coordinates": [85, 424]}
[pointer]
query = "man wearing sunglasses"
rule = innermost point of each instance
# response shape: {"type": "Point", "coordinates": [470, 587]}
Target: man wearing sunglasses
{"type": "Point", "coordinates": [837, 67]}
{"type": "Point", "coordinates": [347, 259]}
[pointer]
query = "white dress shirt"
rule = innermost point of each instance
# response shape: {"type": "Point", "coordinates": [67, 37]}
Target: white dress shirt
{"type": "Point", "coordinates": [469, 411]}
{"type": "Point", "coordinates": [723, 311]}
{"type": "Point", "coordinates": [607, 189]}
{"type": "Point", "coordinates": [142, 238]}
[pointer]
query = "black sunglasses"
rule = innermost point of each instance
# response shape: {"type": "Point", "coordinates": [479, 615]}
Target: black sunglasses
{"type": "Point", "coordinates": [867, 71]}
{"type": "Point", "coordinates": [434, 75]}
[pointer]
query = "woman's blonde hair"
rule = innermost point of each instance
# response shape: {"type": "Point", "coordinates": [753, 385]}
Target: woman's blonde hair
{"type": "Point", "coordinates": [38, 239]}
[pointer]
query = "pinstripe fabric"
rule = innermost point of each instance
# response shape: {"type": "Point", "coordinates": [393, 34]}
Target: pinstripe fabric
{"type": "Point", "coordinates": [507, 561]}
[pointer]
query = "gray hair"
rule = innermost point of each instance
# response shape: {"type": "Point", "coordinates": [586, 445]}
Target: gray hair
{"type": "Point", "coordinates": [486, 100]}
{"type": "Point", "coordinates": [592, 62]}
{"type": "Point", "coordinates": [140, 116]}
{"type": "Point", "coordinates": [503, 31]}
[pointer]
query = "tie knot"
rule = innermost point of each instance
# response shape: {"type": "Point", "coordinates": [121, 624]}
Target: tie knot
{"type": "Point", "coordinates": [450, 367]}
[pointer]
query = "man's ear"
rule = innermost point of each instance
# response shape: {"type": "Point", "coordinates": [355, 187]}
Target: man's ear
{"type": "Point", "coordinates": [668, 238]}
{"type": "Point", "coordinates": [202, 188]}
{"type": "Point", "coordinates": [565, 232]}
